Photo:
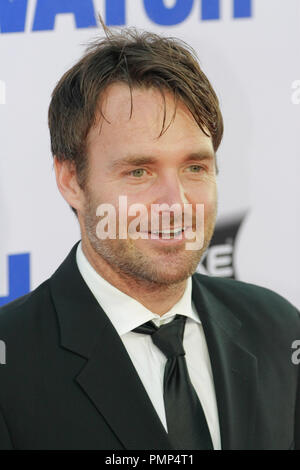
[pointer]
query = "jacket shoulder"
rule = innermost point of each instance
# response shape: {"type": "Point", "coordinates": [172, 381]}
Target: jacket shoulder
{"type": "Point", "coordinates": [245, 296]}
{"type": "Point", "coordinates": [20, 311]}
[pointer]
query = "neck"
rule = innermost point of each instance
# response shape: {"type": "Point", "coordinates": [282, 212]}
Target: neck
{"type": "Point", "coordinates": [158, 298]}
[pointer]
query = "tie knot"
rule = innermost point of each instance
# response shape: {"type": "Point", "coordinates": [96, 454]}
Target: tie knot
{"type": "Point", "coordinates": [168, 337]}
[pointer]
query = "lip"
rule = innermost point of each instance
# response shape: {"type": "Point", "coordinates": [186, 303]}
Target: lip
{"type": "Point", "coordinates": [175, 240]}
{"type": "Point", "coordinates": [173, 228]}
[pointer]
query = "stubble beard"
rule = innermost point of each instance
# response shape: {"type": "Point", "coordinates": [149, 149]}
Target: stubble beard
{"type": "Point", "coordinates": [169, 265]}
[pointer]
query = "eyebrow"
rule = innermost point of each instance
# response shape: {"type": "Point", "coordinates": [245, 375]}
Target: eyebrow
{"type": "Point", "coordinates": [140, 160]}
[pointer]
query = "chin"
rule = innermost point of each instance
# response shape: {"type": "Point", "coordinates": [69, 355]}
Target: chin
{"type": "Point", "coordinates": [167, 276]}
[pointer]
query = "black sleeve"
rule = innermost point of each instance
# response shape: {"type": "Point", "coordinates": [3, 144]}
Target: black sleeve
{"type": "Point", "coordinates": [5, 440]}
{"type": "Point", "coordinates": [297, 416]}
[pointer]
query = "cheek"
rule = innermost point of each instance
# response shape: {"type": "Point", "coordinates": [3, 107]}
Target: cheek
{"type": "Point", "coordinates": [207, 197]}
{"type": "Point", "coordinates": [211, 196]}
{"type": "Point", "coordinates": [204, 194]}
{"type": "Point", "coordinates": [105, 193]}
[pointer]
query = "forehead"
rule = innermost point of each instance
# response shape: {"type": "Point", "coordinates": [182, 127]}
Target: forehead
{"type": "Point", "coordinates": [136, 119]}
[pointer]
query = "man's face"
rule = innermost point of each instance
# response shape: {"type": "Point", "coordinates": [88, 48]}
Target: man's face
{"type": "Point", "coordinates": [168, 171]}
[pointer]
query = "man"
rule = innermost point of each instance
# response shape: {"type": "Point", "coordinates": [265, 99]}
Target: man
{"type": "Point", "coordinates": [125, 346]}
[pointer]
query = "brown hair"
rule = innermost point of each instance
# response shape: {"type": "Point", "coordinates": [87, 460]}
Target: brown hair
{"type": "Point", "coordinates": [137, 59]}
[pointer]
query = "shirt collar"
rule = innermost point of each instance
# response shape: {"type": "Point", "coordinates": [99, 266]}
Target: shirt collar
{"type": "Point", "coordinates": [124, 312]}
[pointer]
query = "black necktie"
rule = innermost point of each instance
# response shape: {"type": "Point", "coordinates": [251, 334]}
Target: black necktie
{"type": "Point", "coordinates": [187, 426]}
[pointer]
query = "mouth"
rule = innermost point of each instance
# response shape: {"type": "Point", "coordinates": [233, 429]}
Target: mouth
{"type": "Point", "coordinates": [171, 233]}
{"type": "Point", "coordinates": [175, 235]}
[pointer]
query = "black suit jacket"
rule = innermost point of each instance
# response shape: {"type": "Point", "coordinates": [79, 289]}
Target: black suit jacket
{"type": "Point", "coordinates": [68, 382]}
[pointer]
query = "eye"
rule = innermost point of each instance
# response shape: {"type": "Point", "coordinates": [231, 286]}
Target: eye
{"type": "Point", "coordinates": [138, 172]}
{"type": "Point", "coordinates": [196, 168]}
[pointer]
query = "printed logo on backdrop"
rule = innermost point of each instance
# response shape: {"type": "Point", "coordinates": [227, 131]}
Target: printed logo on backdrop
{"type": "Point", "coordinates": [218, 260]}
{"type": "Point", "coordinates": [13, 14]}
{"type": "Point", "coordinates": [18, 275]}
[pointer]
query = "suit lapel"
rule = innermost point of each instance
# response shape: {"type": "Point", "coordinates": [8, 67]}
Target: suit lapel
{"type": "Point", "coordinates": [108, 378]}
{"type": "Point", "coordinates": [234, 368]}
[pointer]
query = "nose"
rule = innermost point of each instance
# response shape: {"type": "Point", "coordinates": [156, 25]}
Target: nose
{"type": "Point", "coordinates": [169, 189]}
{"type": "Point", "coordinates": [169, 192]}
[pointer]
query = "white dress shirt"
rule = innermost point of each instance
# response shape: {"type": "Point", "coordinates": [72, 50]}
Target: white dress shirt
{"type": "Point", "coordinates": [126, 313]}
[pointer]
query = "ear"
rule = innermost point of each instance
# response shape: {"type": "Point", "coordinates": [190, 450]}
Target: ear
{"type": "Point", "coordinates": [66, 180]}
